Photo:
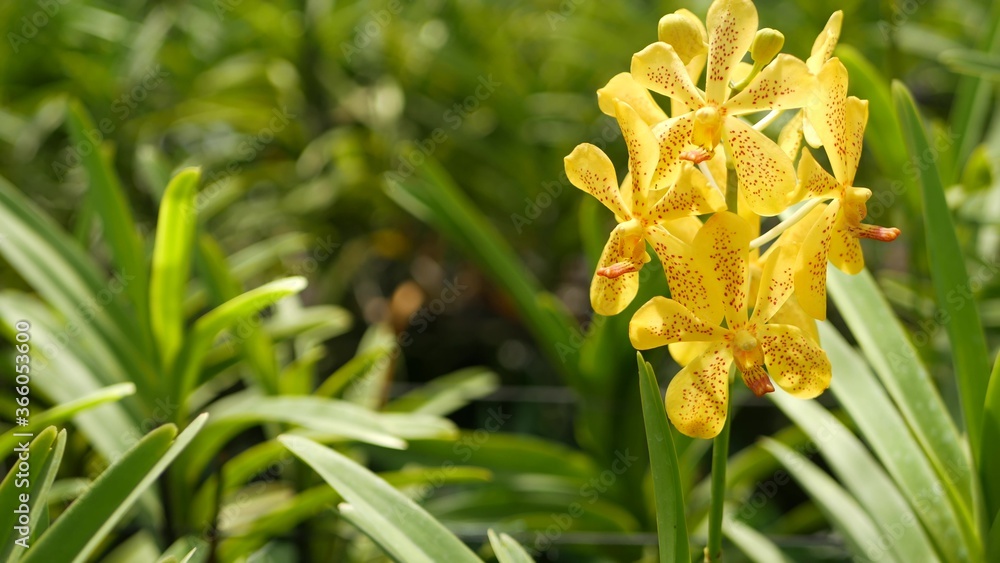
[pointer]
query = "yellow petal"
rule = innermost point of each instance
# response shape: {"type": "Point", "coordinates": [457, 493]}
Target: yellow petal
{"type": "Point", "coordinates": [857, 118]}
{"type": "Point", "coordinates": [623, 87]}
{"type": "Point", "coordinates": [766, 174]}
{"type": "Point", "coordinates": [697, 397]}
{"type": "Point", "coordinates": [825, 43]}
{"type": "Point", "coordinates": [690, 195]}
{"type": "Point", "coordinates": [784, 84]}
{"type": "Point", "coordinates": [810, 267]}
{"type": "Point", "coordinates": [791, 313]}
{"type": "Point", "coordinates": [731, 25]}
{"type": "Point", "coordinates": [840, 133]}
{"type": "Point", "coordinates": [795, 363]}
{"type": "Point", "coordinates": [691, 279]}
{"type": "Point", "coordinates": [724, 243]}
{"type": "Point", "coordinates": [610, 295]}
{"type": "Point", "coordinates": [685, 352]}
{"type": "Point", "coordinates": [790, 138]}
{"type": "Point", "coordinates": [589, 169]}
{"type": "Point", "coordinates": [776, 284]}
{"type": "Point", "coordinates": [814, 181]}
{"type": "Point", "coordinates": [684, 228]}
{"type": "Point", "coordinates": [809, 134]}
{"type": "Point", "coordinates": [643, 153]}
{"type": "Point", "coordinates": [673, 137]}
{"type": "Point", "coordinates": [845, 249]}
{"type": "Point", "coordinates": [660, 69]}
{"type": "Point", "coordinates": [663, 321]}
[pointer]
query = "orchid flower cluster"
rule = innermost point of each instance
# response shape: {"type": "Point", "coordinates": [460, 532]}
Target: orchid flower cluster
{"type": "Point", "coordinates": [729, 302]}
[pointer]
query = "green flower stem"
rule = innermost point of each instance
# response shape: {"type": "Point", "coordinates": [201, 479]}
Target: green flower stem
{"type": "Point", "coordinates": [720, 457]}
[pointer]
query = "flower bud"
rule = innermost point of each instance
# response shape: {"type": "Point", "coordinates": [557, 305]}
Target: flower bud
{"type": "Point", "coordinates": [685, 33]}
{"type": "Point", "coordinates": [766, 45]}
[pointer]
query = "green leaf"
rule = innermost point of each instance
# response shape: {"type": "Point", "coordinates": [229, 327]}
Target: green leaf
{"type": "Point", "coordinates": [82, 528]}
{"type": "Point", "coordinates": [951, 280]}
{"type": "Point", "coordinates": [949, 523]}
{"type": "Point", "coordinates": [973, 63]}
{"type": "Point", "coordinates": [431, 195]}
{"type": "Point", "coordinates": [862, 534]}
{"type": "Point", "coordinates": [356, 368]}
{"type": "Point", "coordinates": [175, 232]}
{"type": "Point", "coordinates": [898, 366]}
{"type": "Point", "coordinates": [113, 207]}
{"type": "Point", "coordinates": [446, 394]}
{"type": "Point", "coordinates": [990, 462]}
{"type": "Point", "coordinates": [397, 524]}
{"type": "Point", "coordinates": [62, 412]}
{"type": "Point", "coordinates": [671, 526]}
{"type": "Point", "coordinates": [330, 417]}
{"type": "Point", "coordinates": [974, 100]}
{"type": "Point", "coordinates": [44, 457]}
{"type": "Point", "coordinates": [61, 272]}
{"type": "Point", "coordinates": [507, 549]}
{"type": "Point", "coordinates": [752, 543]}
{"type": "Point", "coordinates": [208, 327]}
{"type": "Point", "coordinates": [858, 471]}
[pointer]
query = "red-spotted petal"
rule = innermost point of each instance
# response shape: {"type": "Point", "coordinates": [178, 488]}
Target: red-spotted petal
{"type": "Point", "coordinates": [660, 69]}
{"type": "Point", "coordinates": [810, 268]}
{"type": "Point", "coordinates": [814, 180]}
{"type": "Point", "coordinates": [617, 278]}
{"type": "Point", "coordinates": [623, 87]}
{"type": "Point", "coordinates": [590, 170]}
{"type": "Point", "coordinates": [795, 362]}
{"type": "Point", "coordinates": [643, 154]}
{"type": "Point", "coordinates": [785, 83]}
{"type": "Point", "coordinates": [724, 244]}
{"type": "Point", "coordinates": [663, 321]}
{"type": "Point", "coordinates": [697, 397]}
{"type": "Point", "coordinates": [690, 277]}
{"type": "Point", "coordinates": [731, 25]}
{"type": "Point", "coordinates": [776, 284]}
{"type": "Point", "coordinates": [766, 174]}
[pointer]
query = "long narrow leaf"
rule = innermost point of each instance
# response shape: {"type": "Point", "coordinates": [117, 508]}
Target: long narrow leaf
{"type": "Point", "coordinates": [951, 280]}
{"type": "Point", "coordinates": [387, 510]}
{"type": "Point", "coordinates": [671, 526]}
{"type": "Point", "coordinates": [83, 527]}
{"type": "Point", "coordinates": [507, 549]}
{"type": "Point", "coordinates": [175, 231]}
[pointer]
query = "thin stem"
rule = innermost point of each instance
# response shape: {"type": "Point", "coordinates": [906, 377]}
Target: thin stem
{"type": "Point", "coordinates": [711, 179]}
{"type": "Point", "coordinates": [767, 120]}
{"type": "Point", "coordinates": [785, 225]}
{"type": "Point", "coordinates": [720, 457]}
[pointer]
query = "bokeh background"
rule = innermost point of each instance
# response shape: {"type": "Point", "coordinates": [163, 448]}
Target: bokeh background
{"type": "Point", "coordinates": [406, 157]}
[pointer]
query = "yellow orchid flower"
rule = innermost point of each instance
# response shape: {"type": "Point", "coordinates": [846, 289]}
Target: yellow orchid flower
{"type": "Point", "coordinates": [790, 138]}
{"type": "Point", "coordinates": [697, 397]}
{"type": "Point", "coordinates": [646, 207]}
{"type": "Point", "coordinates": [840, 124]}
{"type": "Point", "coordinates": [765, 173]}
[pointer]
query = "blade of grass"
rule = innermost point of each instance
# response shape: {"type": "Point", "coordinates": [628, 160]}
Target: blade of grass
{"type": "Point", "coordinates": [990, 464]}
{"type": "Point", "coordinates": [951, 280]}
{"type": "Point", "coordinates": [39, 451]}
{"type": "Point", "coordinates": [507, 549]}
{"type": "Point", "coordinates": [175, 232]}
{"type": "Point", "coordinates": [64, 411]}
{"type": "Point", "coordinates": [842, 511]}
{"type": "Point", "coordinates": [399, 525]}
{"type": "Point", "coordinates": [752, 543]}
{"type": "Point", "coordinates": [974, 100]}
{"type": "Point", "coordinates": [116, 215]}
{"type": "Point", "coordinates": [77, 533]}
{"type": "Point", "coordinates": [860, 474]}
{"type": "Point", "coordinates": [898, 366]}
{"type": "Point", "coordinates": [671, 525]}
